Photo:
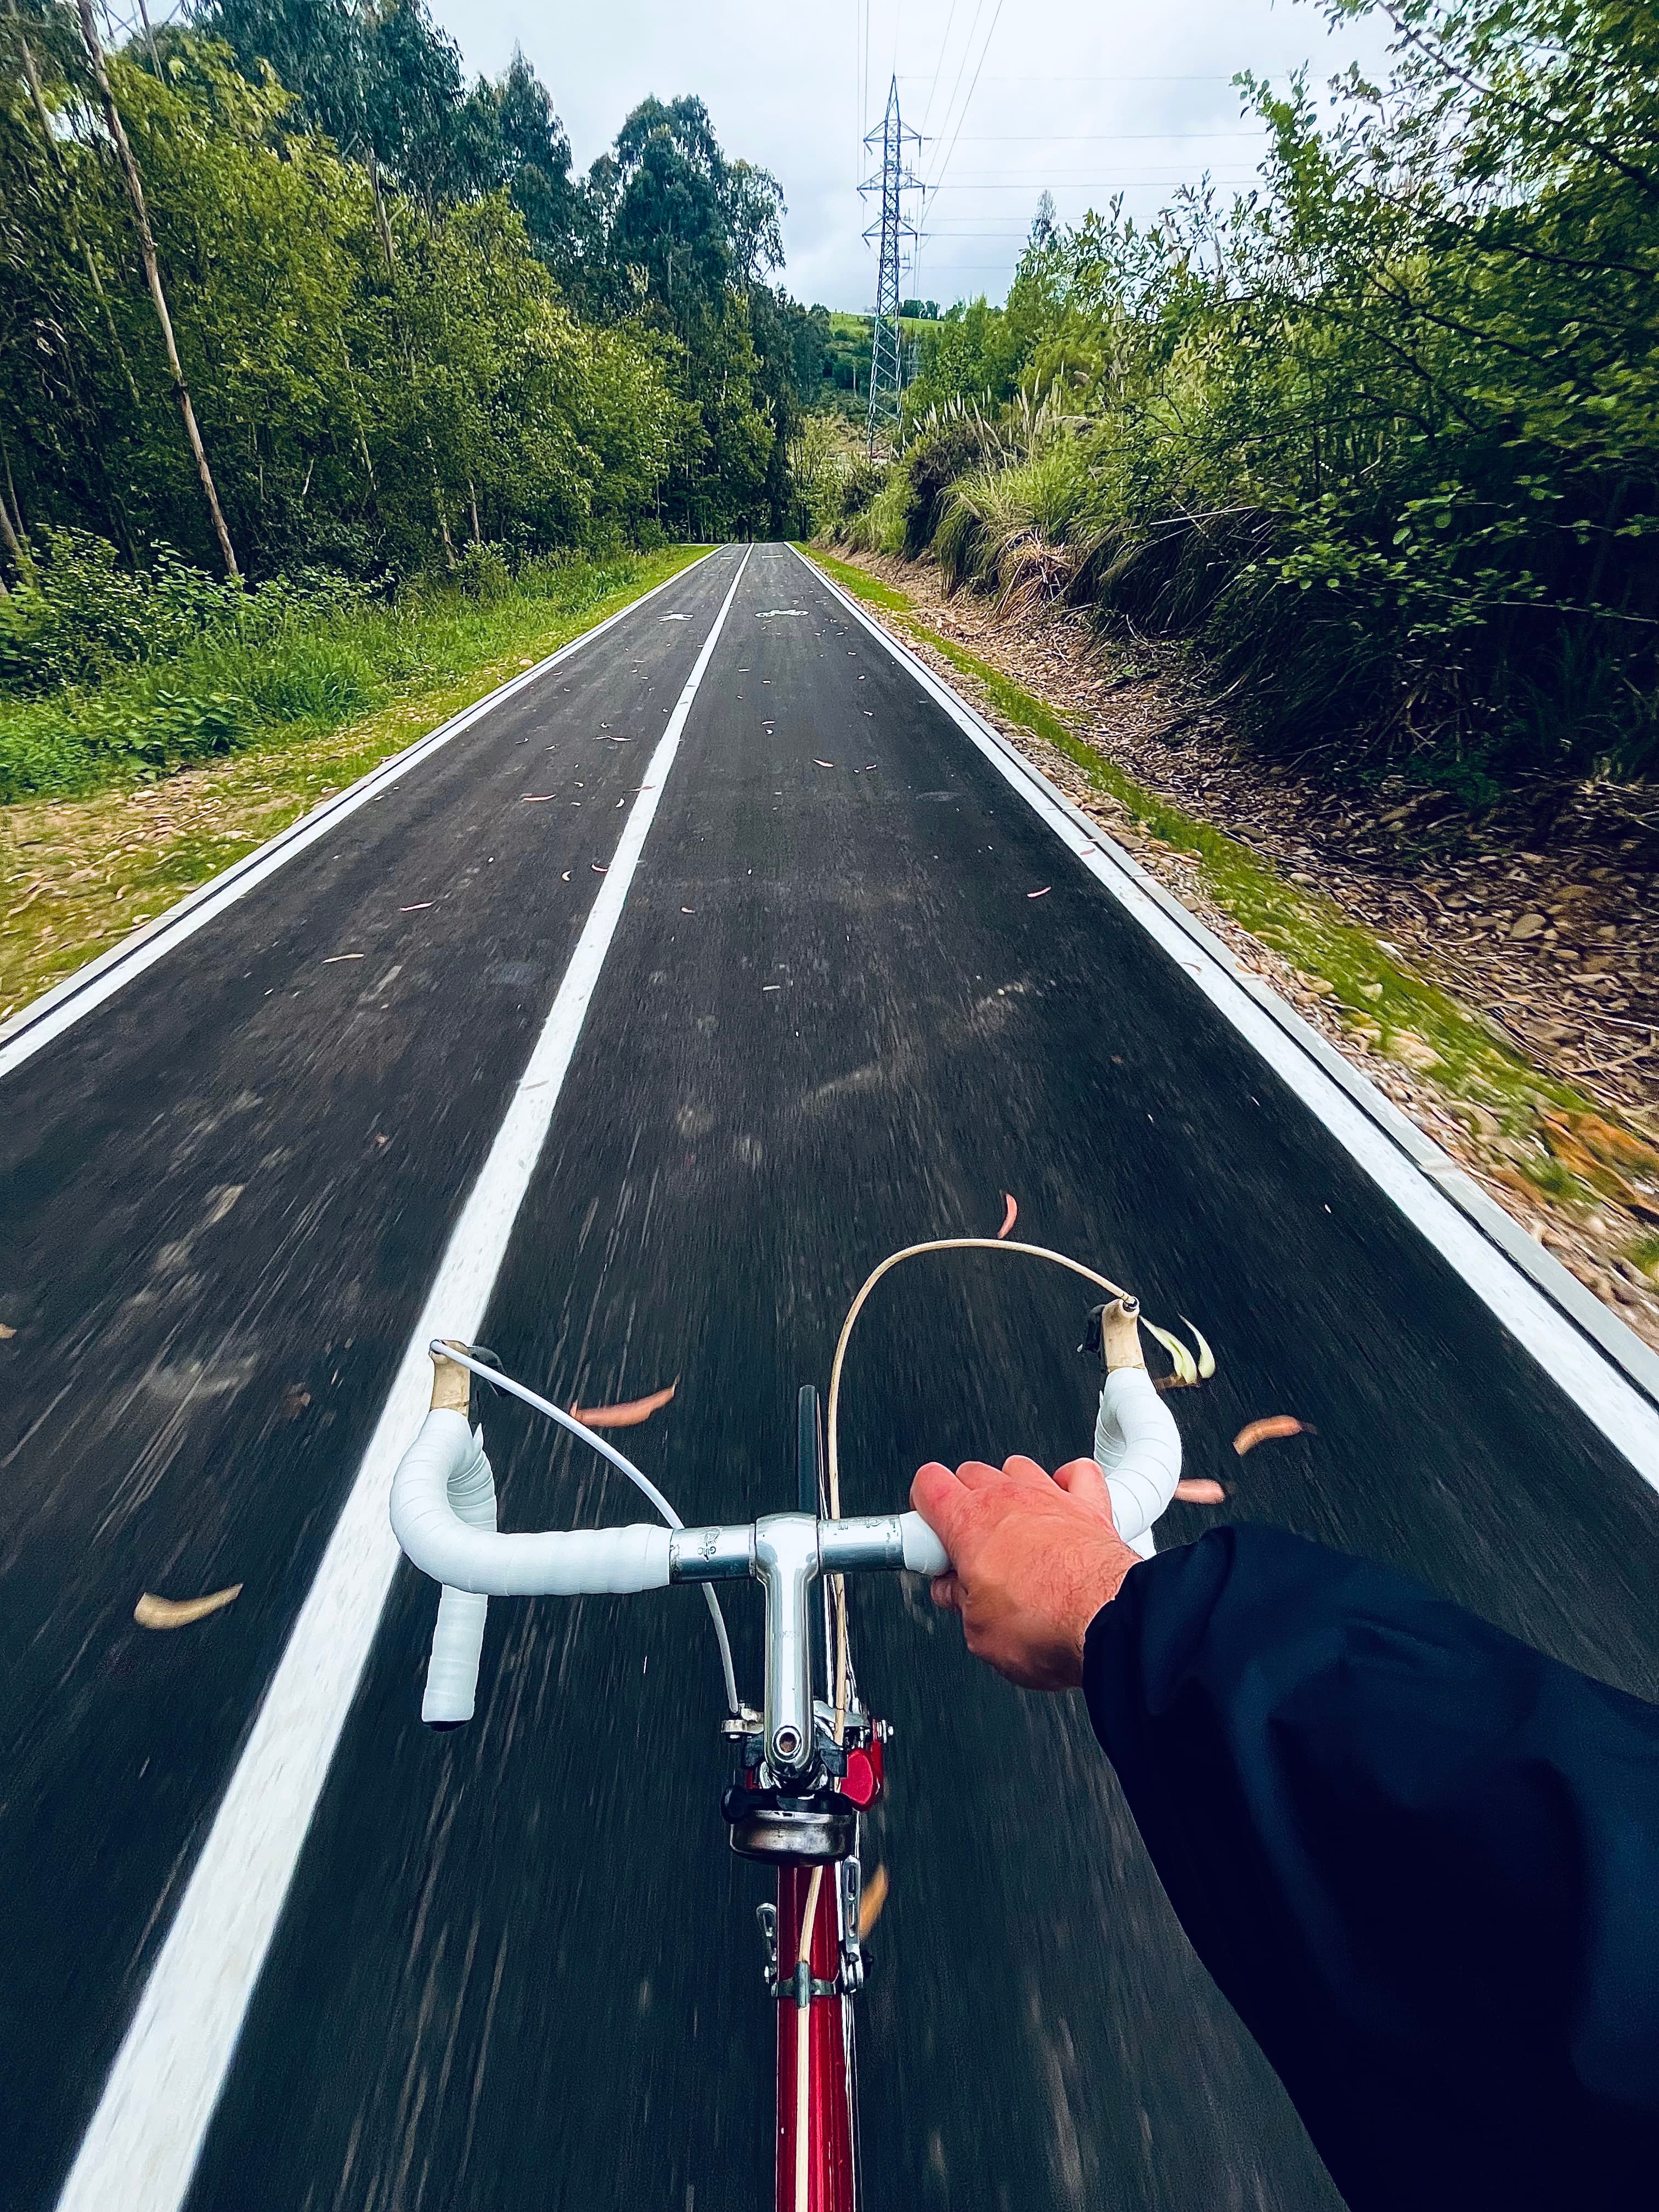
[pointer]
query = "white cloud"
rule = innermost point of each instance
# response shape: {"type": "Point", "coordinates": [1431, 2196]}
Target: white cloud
{"type": "Point", "coordinates": [1081, 98]}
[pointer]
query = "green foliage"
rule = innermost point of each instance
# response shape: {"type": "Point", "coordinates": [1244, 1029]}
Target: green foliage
{"type": "Point", "coordinates": [291, 663]}
{"type": "Point", "coordinates": [405, 327]}
{"type": "Point", "coordinates": [1382, 436]}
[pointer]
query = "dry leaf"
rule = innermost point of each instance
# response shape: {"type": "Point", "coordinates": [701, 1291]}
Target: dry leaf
{"type": "Point", "coordinates": [171, 1612]}
{"type": "Point", "coordinates": [871, 1902]}
{"type": "Point", "coordinates": [1185, 1371]}
{"type": "Point", "coordinates": [420, 909]}
{"type": "Point", "coordinates": [624, 1416]}
{"type": "Point", "coordinates": [599, 871]}
{"type": "Point", "coordinates": [1010, 1213]}
{"type": "Point", "coordinates": [1582, 1163]}
{"type": "Point", "coordinates": [538, 798]}
{"type": "Point", "coordinates": [1044, 893]}
{"type": "Point", "coordinates": [5, 1331]}
{"type": "Point", "coordinates": [334, 958]}
{"type": "Point", "coordinates": [818, 763]}
{"type": "Point", "coordinates": [1196, 1491]}
{"type": "Point", "coordinates": [1206, 1357]}
{"type": "Point", "coordinates": [1614, 1145]}
{"type": "Point", "coordinates": [1261, 1432]}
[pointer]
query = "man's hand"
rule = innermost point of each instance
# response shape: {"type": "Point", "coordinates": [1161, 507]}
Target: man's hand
{"type": "Point", "coordinates": [1034, 1558]}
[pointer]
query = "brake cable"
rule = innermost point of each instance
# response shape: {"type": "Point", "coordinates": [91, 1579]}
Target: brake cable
{"type": "Point", "coordinates": [499, 1380]}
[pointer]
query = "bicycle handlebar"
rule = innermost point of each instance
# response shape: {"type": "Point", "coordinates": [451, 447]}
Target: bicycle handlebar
{"type": "Point", "coordinates": [444, 1516]}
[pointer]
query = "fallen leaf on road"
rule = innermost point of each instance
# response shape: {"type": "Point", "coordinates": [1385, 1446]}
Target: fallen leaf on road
{"type": "Point", "coordinates": [1261, 1432]}
{"type": "Point", "coordinates": [537, 798]}
{"type": "Point", "coordinates": [599, 871]}
{"type": "Point", "coordinates": [1196, 1491]}
{"type": "Point", "coordinates": [334, 957]}
{"type": "Point", "coordinates": [565, 878]}
{"type": "Point", "coordinates": [624, 1416]}
{"type": "Point", "coordinates": [818, 763]}
{"type": "Point", "coordinates": [420, 909]}
{"type": "Point", "coordinates": [1010, 1215]}
{"type": "Point", "coordinates": [5, 1331]}
{"type": "Point", "coordinates": [1044, 893]}
{"type": "Point", "coordinates": [688, 910]}
{"type": "Point", "coordinates": [870, 1904]}
{"type": "Point", "coordinates": [170, 1613]}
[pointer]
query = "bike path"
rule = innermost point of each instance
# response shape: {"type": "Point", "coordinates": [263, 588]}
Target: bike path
{"type": "Point", "coordinates": [518, 1960]}
{"type": "Point", "coordinates": [224, 1190]}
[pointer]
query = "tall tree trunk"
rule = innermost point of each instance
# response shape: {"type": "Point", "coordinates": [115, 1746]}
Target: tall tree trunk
{"type": "Point", "coordinates": [54, 154]}
{"type": "Point", "coordinates": [16, 544]}
{"type": "Point", "coordinates": [373, 167]}
{"type": "Point", "coordinates": [149, 38]}
{"type": "Point", "coordinates": [356, 411]}
{"type": "Point", "coordinates": [153, 273]}
{"type": "Point", "coordinates": [379, 207]}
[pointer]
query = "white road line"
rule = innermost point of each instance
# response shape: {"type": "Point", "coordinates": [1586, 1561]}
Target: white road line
{"type": "Point", "coordinates": [47, 1017]}
{"type": "Point", "coordinates": [1409, 1167]}
{"type": "Point", "coordinates": [141, 2148]}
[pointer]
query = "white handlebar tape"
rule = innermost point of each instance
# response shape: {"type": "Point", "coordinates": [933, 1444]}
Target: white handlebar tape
{"type": "Point", "coordinates": [451, 1672]}
{"type": "Point", "coordinates": [1137, 1447]}
{"type": "Point", "coordinates": [562, 1563]}
{"type": "Point", "coordinates": [924, 1555]}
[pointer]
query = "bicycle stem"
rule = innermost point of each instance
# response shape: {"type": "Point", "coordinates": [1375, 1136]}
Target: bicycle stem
{"type": "Point", "coordinates": [786, 1554]}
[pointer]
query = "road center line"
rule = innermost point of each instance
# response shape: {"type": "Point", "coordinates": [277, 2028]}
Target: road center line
{"type": "Point", "coordinates": [141, 2148]}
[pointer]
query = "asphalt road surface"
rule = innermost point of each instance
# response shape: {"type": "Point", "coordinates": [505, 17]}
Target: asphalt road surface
{"type": "Point", "coordinates": [518, 1965]}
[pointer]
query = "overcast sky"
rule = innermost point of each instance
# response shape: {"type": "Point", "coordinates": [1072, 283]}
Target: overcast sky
{"type": "Point", "coordinates": [1086, 97]}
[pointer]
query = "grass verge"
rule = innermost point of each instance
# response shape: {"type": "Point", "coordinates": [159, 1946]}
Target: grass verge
{"type": "Point", "coordinates": [81, 872]}
{"type": "Point", "coordinates": [1380, 999]}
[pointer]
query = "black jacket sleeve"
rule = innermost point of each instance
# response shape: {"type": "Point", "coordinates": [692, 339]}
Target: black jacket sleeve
{"type": "Point", "coordinates": [1421, 1859]}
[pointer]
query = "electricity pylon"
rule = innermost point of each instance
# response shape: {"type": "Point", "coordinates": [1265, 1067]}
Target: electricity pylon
{"type": "Point", "coordinates": [893, 180]}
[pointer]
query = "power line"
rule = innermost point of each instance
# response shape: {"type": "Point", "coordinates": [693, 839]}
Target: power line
{"type": "Point", "coordinates": [943, 48]}
{"type": "Point", "coordinates": [967, 47]}
{"type": "Point", "coordinates": [1096, 137]}
{"type": "Point", "coordinates": [962, 116]}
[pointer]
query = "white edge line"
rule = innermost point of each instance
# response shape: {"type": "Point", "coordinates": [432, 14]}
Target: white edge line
{"type": "Point", "coordinates": [141, 2148]}
{"type": "Point", "coordinates": [24, 1033]}
{"type": "Point", "coordinates": [1606, 1369]}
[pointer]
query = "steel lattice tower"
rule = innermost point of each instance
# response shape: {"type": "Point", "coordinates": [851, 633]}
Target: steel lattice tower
{"type": "Point", "coordinates": [892, 181]}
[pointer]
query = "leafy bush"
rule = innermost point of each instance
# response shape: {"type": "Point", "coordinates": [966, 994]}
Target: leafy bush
{"type": "Point", "coordinates": [1383, 438]}
{"type": "Point", "coordinates": [482, 571]}
{"type": "Point", "coordinates": [76, 614]}
{"type": "Point", "coordinates": [294, 659]}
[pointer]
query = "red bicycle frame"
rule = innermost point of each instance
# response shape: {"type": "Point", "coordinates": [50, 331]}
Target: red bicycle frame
{"type": "Point", "coordinates": [815, 2161]}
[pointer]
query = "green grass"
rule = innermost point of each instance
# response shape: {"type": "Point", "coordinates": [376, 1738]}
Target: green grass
{"type": "Point", "coordinates": [81, 868]}
{"type": "Point", "coordinates": [309, 677]}
{"type": "Point", "coordinates": [1379, 997]}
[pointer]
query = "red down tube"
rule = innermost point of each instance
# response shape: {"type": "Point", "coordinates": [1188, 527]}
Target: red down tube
{"type": "Point", "coordinates": [815, 2160]}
